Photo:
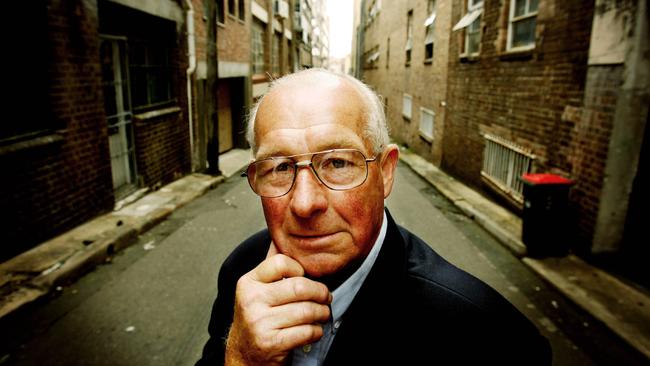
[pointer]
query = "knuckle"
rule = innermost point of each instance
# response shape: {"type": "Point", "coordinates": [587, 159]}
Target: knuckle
{"type": "Point", "coordinates": [299, 288]}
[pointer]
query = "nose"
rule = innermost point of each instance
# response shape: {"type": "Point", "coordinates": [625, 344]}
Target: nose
{"type": "Point", "coordinates": [308, 195]}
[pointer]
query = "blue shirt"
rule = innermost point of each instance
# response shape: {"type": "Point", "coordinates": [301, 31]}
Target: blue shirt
{"type": "Point", "coordinates": [314, 354]}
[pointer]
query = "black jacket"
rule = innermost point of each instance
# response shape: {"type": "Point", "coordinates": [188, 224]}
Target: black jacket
{"type": "Point", "coordinates": [414, 308]}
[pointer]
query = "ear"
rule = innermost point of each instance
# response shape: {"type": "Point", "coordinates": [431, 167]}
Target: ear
{"type": "Point", "coordinates": [388, 162]}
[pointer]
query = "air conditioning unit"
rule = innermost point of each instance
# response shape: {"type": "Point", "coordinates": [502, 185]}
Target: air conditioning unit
{"type": "Point", "coordinates": [281, 8]}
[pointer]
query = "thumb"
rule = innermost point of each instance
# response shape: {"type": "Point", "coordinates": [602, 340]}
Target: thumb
{"type": "Point", "coordinates": [273, 250]}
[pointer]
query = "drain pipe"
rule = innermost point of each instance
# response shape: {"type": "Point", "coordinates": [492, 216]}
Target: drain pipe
{"type": "Point", "coordinates": [190, 71]}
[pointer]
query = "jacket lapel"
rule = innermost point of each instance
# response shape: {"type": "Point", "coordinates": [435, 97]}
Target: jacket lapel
{"type": "Point", "coordinates": [375, 313]}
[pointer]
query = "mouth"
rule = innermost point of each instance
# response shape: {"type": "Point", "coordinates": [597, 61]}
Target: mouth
{"type": "Point", "coordinates": [313, 239]}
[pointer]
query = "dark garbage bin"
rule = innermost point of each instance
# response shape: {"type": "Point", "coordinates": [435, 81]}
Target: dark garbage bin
{"type": "Point", "coordinates": [545, 229]}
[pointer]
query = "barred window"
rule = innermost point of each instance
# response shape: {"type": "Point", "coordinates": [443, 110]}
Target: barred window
{"type": "Point", "coordinates": [503, 163]}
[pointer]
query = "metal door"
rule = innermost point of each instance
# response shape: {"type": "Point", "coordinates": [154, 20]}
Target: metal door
{"type": "Point", "coordinates": [118, 113]}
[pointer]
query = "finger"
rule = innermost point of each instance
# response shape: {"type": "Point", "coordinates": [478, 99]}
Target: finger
{"type": "Point", "coordinates": [290, 338]}
{"type": "Point", "coordinates": [297, 289]}
{"type": "Point", "coordinates": [273, 250]}
{"type": "Point", "coordinates": [299, 313]}
{"type": "Point", "coordinates": [277, 267]}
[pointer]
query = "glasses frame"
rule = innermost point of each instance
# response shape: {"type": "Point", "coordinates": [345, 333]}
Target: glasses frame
{"type": "Point", "coordinates": [308, 163]}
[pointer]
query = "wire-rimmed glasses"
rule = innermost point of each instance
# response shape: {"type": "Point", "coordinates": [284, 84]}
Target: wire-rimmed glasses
{"type": "Point", "coordinates": [337, 169]}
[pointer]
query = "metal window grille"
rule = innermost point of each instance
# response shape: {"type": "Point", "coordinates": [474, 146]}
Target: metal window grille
{"type": "Point", "coordinates": [503, 164]}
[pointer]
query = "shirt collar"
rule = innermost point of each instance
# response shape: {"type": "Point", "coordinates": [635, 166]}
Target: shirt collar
{"type": "Point", "coordinates": [344, 294]}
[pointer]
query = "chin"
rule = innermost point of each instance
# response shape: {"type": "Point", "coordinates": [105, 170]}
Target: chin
{"type": "Point", "coordinates": [320, 265]}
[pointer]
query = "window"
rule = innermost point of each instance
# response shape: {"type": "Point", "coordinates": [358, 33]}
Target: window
{"type": "Point", "coordinates": [409, 36]}
{"type": "Point", "coordinates": [150, 72]}
{"type": "Point", "coordinates": [429, 24]}
{"type": "Point", "coordinates": [290, 67]}
{"type": "Point", "coordinates": [373, 11]}
{"type": "Point", "coordinates": [28, 89]}
{"type": "Point", "coordinates": [231, 7]}
{"type": "Point", "coordinates": [257, 47]}
{"type": "Point", "coordinates": [242, 10]}
{"type": "Point", "coordinates": [473, 37]}
{"type": "Point", "coordinates": [521, 25]}
{"type": "Point", "coordinates": [407, 102]}
{"type": "Point", "coordinates": [471, 23]}
{"type": "Point", "coordinates": [426, 124]}
{"type": "Point", "coordinates": [275, 53]}
{"type": "Point", "coordinates": [503, 163]}
{"type": "Point", "coordinates": [221, 11]}
{"type": "Point", "coordinates": [371, 58]}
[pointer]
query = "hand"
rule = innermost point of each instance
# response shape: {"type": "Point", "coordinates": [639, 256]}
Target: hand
{"type": "Point", "coordinates": [276, 310]}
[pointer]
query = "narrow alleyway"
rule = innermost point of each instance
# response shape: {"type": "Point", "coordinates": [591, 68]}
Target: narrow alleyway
{"type": "Point", "coordinates": [151, 304]}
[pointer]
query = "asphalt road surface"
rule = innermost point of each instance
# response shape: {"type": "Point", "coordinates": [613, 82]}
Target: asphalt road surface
{"type": "Point", "coordinates": [150, 304]}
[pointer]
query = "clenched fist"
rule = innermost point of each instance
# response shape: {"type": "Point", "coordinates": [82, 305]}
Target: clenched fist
{"type": "Point", "coordinates": [276, 310]}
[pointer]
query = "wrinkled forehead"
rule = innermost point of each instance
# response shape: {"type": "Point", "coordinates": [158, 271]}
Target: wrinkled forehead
{"type": "Point", "coordinates": [307, 101]}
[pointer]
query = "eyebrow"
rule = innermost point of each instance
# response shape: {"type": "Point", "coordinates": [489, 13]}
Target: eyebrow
{"type": "Point", "coordinates": [340, 143]}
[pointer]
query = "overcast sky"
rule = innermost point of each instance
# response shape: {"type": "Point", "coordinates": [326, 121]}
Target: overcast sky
{"type": "Point", "coordinates": [340, 14]}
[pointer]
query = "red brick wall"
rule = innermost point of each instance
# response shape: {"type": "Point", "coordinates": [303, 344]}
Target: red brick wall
{"type": "Point", "coordinates": [162, 148]}
{"type": "Point", "coordinates": [519, 98]}
{"type": "Point", "coordinates": [533, 98]}
{"type": "Point", "coordinates": [50, 188]}
{"type": "Point", "coordinates": [233, 37]}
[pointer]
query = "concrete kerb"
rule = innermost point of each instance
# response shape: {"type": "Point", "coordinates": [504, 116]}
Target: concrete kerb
{"type": "Point", "coordinates": [621, 308]}
{"type": "Point", "coordinates": [37, 272]}
{"type": "Point", "coordinates": [495, 220]}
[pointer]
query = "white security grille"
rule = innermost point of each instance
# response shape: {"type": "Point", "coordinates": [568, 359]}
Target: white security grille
{"type": "Point", "coordinates": [503, 164]}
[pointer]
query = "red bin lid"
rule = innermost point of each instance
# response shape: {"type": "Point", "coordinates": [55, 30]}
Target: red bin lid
{"type": "Point", "coordinates": [545, 178]}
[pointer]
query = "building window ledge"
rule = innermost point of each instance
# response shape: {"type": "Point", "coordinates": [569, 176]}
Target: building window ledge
{"type": "Point", "coordinates": [426, 137]}
{"type": "Point", "coordinates": [465, 58]}
{"type": "Point", "coordinates": [35, 142]}
{"type": "Point", "coordinates": [260, 78]}
{"type": "Point", "coordinates": [157, 113]}
{"type": "Point", "coordinates": [517, 54]}
{"type": "Point", "coordinates": [428, 61]}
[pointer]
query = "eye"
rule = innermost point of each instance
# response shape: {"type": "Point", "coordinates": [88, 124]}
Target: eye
{"type": "Point", "coordinates": [339, 163]}
{"type": "Point", "coordinates": [283, 167]}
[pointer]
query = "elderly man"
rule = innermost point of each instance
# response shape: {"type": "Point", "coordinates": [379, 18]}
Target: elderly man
{"type": "Point", "coordinates": [334, 280]}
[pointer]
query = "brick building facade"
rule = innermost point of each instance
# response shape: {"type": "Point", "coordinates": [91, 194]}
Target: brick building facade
{"type": "Point", "coordinates": [405, 59]}
{"type": "Point", "coordinates": [528, 86]}
{"type": "Point", "coordinates": [126, 94]}
{"type": "Point", "coordinates": [108, 80]}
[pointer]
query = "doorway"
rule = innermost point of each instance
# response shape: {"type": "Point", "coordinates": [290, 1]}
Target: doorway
{"type": "Point", "coordinates": [117, 104]}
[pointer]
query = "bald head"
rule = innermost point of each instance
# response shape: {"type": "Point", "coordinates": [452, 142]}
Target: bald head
{"type": "Point", "coordinates": [366, 103]}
